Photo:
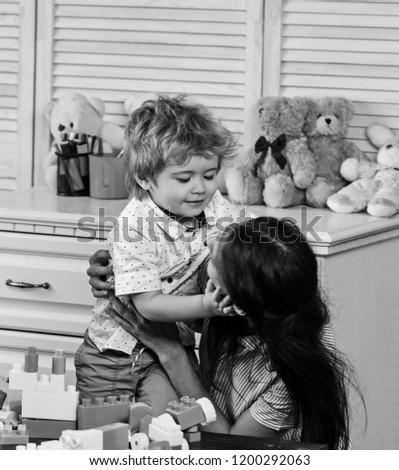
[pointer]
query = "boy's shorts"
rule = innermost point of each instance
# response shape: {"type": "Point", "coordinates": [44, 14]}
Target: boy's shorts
{"type": "Point", "coordinates": [107, 373]}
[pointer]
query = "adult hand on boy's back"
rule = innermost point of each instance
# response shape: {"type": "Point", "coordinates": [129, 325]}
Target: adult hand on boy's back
{"type": "Point", "coordinates": [99, 271]}
{"type": "Point", "coordinates": [157, 336]}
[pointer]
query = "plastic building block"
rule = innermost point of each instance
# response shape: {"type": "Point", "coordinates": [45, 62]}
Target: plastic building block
{"type": "Point", "coordinates": [28, 446]}
{"type": "Point", "coordinates": [31, 360]}
{"type": "Point", "coordinates": [208, 409]}
{"type": "Point", "coordinates": [26, 377]}
{"type": "Point", "coordinates": [66, 396]}
{"type": "Point", "coordinates": [115, 436]}
{"type": "Point", "coordinates": [182, 446]}
{"type": "Point", "coordinates": [47, 428]}
{"type": "Point", "coordinates": [159, 445]}
{"type": "Point", "coordinates": [88, 439]}
{"type": "Point", "coordinates": [137, 411]}
{"type": "Point", "coordinates": [58, 363]}
{"type": "Point", "coordinates": [159, 429]}
{"type": "Point", "coordinates": [13, 402]}
{"type": "Point", "coordinates": [51, 383]}
{"type": "Point", "coordinates": [9, 417]}
{"type": "Point", "coordinates": [145, 423]}
{"type": "Point", "coordinates": [101, 412]}
{"type": "Point", "coordinates": [184, 415]}
{"type": "Point", "coordinates": [192, 434]}
{"type": "Point", "coordinates": [164, 428]}
{"type": "Point", "coordinates": [139, 441]}
{"type": "Point", "coordinates": [110, 437]}
{"type": "Point", "coordinates": [192, 429]}
{"type": "Point", "coordinates": [10, 436]}
{"type": "Point", "coordinates": [56, 382]}
{"type": "Point", "coordinates": [3, 396]}
{"type": "Point", "coordinates": [187, 412]}
{"type": "Point", "coordinates": [192, 437]}
{"type": "Point", "coordinates": [50, 445]}
{"type": "Point", "coordinates": [50, 405]}
{"type": "Point", "coordinates": [21, 380]}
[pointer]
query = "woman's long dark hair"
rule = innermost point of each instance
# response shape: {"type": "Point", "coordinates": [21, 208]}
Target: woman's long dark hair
{"type": "Point", "coordinates": [270, 271]}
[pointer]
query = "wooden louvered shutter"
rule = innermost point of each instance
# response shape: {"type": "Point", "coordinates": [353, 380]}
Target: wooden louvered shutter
{"type": "Point", "coordinates": [17, 34]}
{"type": "Point", "coordinates": [343, 48]}
{"type": "Point", "coordinates": [208, 49]}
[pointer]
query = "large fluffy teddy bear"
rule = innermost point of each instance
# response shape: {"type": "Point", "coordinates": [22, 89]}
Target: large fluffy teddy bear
{"type": "Point", "coordinates": [279, 167]}
{"type": "Point", "coordinates": [325, 127]}
{"type": "Point", "coordinates": [375, 186]}
{"type": "Point", "coordinates": [77, 114]}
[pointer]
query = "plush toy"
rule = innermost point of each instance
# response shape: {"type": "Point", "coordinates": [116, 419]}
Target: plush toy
{"type": "Point", "coordinates": [74, 113]}
{"type": "Point", "coordinates": [278, 169]}
{"type": "Point", "coordinates": [375, 186]}
{"type": "Point", "coordinates": [325, 127]}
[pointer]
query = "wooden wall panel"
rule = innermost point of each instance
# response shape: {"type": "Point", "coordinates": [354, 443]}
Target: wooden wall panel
{"type": "Point", "coordinates": [17, 26]}
{"type": "Point", "coordinates": [344, 48]}
{"type": "Point", "coordinates": [209, 50]}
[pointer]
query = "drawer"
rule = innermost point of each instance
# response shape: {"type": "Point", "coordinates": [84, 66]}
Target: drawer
{"type": "Point", "coordinates": [63, 308]}
{"type": "Point", "coordinates": [46, 317]}
{"type": "Point", "coordinates": [69, 247]}
{"type": "Point", "coordinates": [62, 262]}
{"type": "Point", "coordinates": [19, 341]}
{"type": "Point", "coordinates": [66, 277]}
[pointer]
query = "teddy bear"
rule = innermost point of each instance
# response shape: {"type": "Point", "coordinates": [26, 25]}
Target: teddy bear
{"type": "Point", "coordinates": [325, 126]}
{"type": "Point", "coordinates": [278, 169]}
{"type": "Point", "coordinates": [74, 113]}
{"type": "Point", "coordinates": [374, 186]}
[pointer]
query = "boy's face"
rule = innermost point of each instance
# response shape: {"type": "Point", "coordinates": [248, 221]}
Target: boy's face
{"type": "Point", "coordinates": [186, 189]}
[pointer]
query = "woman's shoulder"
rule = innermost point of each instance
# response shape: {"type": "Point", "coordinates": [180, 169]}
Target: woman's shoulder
{"type": "Point", "coordinates": [328, 336]}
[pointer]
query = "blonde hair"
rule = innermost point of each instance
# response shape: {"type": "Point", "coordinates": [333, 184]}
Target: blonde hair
{"type": "Point", "coordinates": [168, 131]}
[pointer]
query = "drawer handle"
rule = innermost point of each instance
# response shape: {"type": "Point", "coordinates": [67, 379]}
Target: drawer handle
{"type": "Point", "coordinates": [26, 285]}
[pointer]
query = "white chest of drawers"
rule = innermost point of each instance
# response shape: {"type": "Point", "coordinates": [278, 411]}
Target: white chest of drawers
{"type": "Point", "coordinates": [43, 239]}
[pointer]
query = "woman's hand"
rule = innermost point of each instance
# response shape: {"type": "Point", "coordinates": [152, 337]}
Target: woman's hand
{"type": "Point", "coordinates": [159, 337]}
{"type": "Point", "coordinates": [99, 270]}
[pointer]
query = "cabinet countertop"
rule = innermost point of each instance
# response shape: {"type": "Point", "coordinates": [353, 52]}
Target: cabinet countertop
{"type": "Point", "coordinates": [38, 210]}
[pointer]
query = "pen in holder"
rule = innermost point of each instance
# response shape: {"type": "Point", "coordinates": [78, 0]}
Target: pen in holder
{"type": "Point", "coordinates": [73, 166]}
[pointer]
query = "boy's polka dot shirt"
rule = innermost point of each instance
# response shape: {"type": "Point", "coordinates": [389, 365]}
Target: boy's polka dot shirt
{"type": "Point", "coordinates": [152, 252]}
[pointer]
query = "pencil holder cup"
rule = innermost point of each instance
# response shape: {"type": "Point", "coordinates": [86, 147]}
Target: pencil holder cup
{"type": "Point", "coordinates": [73, 175]}
{"type": "Point", "coordinates": [107, 177]}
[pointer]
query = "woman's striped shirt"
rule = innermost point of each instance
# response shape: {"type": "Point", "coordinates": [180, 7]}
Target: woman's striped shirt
{"type": "Point", "coordinates": [253, 384]}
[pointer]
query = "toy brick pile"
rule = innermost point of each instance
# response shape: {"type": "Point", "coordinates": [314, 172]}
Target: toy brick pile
{"type": "Point", "coordinates": [51, 410]}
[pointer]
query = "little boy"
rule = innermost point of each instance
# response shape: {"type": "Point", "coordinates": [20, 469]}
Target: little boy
{"type": "Point", "coordinates": [174, 150]}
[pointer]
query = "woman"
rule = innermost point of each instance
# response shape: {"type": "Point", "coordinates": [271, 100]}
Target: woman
{"type": "Point", "coordinates": [275, 371]}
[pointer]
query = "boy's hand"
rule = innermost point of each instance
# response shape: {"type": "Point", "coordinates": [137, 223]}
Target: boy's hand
{"type": "Point", "coordinates": [224, 302]}
{"type": "Point", "coordinates": [99, 271]}
{"type": "Point", "coordinates": [216, 301]}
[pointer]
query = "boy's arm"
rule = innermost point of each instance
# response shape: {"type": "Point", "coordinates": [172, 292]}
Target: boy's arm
{"type": "Point", "coordinates": [156, 306]}
{"type": "Point", "coordinates": [162, 339]}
